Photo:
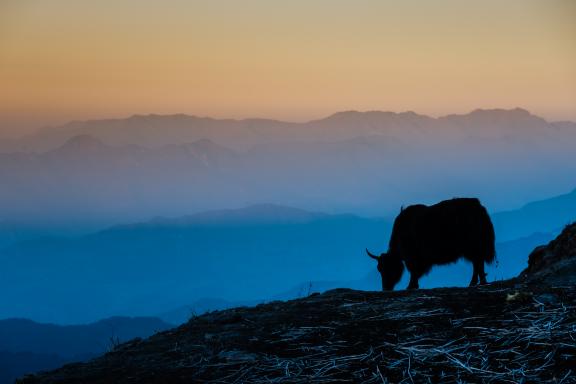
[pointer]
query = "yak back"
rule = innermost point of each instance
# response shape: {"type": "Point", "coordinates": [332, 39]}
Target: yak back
{"type": "Point", "coordinates": [443, 232]}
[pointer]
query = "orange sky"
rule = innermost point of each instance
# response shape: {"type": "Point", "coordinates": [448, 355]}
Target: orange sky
{"type": "Point", "coordinates": [294, 60]}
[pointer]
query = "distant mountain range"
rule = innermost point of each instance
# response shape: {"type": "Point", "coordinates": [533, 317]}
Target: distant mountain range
{"type": "Point", "coordinates": [369, 163]}
{"type": "Point", "coordinates": [156, 266]}
{"type": "Point", "coordinates": [86, 178]}
{"type": "Point", "coordinates": [260, 214]}
{"type": "Point", "coordinates": [27, 346]}
{"type": "Point", "coordinates": [240, 255]}
{"type": "Point", "coordinates": [549, 215]}
{"type": "Point", "coordinates": [160, 130]}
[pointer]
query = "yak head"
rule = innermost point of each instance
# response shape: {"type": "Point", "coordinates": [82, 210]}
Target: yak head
{"type": "Point", "coordinates": [390, 268]}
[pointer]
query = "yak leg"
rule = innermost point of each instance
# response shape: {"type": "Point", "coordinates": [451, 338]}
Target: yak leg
{"type": "Point", "coordinates": [478, 273]}
{"type": "Point", "coordinates": [413, 281]}
{"type": "Point", "coordinates": [481, 273]}
{"type": "Point", "coordinates": [474, 280]}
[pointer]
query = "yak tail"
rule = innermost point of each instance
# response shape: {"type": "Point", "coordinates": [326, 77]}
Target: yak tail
{"type": "Point", "coordinates": [488, 228]}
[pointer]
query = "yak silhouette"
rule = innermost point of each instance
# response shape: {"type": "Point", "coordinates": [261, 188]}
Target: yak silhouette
{"type": "Point", "coordinates": [425, 236]}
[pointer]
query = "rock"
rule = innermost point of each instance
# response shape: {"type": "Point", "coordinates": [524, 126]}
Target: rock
{"type": "Point", "coordinates": [555, 263]}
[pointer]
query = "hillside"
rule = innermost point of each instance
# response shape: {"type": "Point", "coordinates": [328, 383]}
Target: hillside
{"type": "Point", "coordinates": [520, 330]}
{"type": "Point", "coordinates": [27, 346]}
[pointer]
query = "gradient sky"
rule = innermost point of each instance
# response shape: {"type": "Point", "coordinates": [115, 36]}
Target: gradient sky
{"type": "Point", "coordinates": [295, 60]}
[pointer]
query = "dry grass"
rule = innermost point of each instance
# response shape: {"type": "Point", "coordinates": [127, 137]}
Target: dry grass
{"type": "Point", "coordinates": [536, 344]}
{"type": "Point", "coordinates": [503, 333]}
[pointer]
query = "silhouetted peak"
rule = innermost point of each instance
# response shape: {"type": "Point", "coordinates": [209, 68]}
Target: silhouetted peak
{"type": "Point", "coordinates": [269, 213]}
{"type": "Point", "coordinates": [253, 214]}
{"type": "Point", "coordinates": [515, 112]}
{"type": "Point", "coordinates": [497, 114]}
{"type": "Point", "coordinates": [153, 117]}
{"type": "Point", "coordinates": [353, 115]}
{"type": "Point", "coordinates": [275, 211]}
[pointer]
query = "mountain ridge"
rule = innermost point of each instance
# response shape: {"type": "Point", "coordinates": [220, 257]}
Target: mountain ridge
{"type": "Point", "coordinates": [144, 261]}
{"type": "Point", "coordinates": [377, 161]}
{"type": "Point", "coordinates": [264, 213]}
{"type": "Point", "coordinates": [548, 215]}
{"type": "Point", "coordinates": [250, 125]}
{"type": "Point", "coordinates": [518, 111]}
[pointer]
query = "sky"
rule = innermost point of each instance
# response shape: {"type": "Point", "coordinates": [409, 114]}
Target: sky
{"type": "Point", "coordinates": [293, 60]}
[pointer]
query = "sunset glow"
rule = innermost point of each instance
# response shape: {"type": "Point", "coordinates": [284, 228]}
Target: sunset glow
{"type": "Point", "coordinates": [298, 60]}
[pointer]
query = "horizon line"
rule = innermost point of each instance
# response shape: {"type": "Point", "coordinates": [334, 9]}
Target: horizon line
{"type": "Point", "coordinates": [327, 116]}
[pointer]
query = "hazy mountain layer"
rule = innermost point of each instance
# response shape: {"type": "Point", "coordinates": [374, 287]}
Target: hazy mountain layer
{"type": "Point", "coordinates": [160, 130]}
{"type": "Point", "coordinates": [549, 215]}
{"type": "Point", "coordinates": [157, 266]}
{"type": "Point", "coordinates": [251, 254]}
{"type": "Point", "coordinates": [369, 163]}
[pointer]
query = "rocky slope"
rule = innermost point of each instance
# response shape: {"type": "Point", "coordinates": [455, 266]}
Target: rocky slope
{"type": "Point", "coordinates": [520, 330]}
{"type": "Point", "coordinates": [555, 262]}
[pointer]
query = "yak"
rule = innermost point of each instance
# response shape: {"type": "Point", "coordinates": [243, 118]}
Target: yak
{"type": "Point", "coordinates": [424, 236]}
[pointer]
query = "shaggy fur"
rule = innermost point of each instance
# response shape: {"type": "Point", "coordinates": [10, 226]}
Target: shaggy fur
{"type": "Point", "coordinates": [424, 236]}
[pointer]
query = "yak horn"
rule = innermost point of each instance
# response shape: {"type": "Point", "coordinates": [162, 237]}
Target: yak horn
{"type": "Point", "coordinates": [371, 255]}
